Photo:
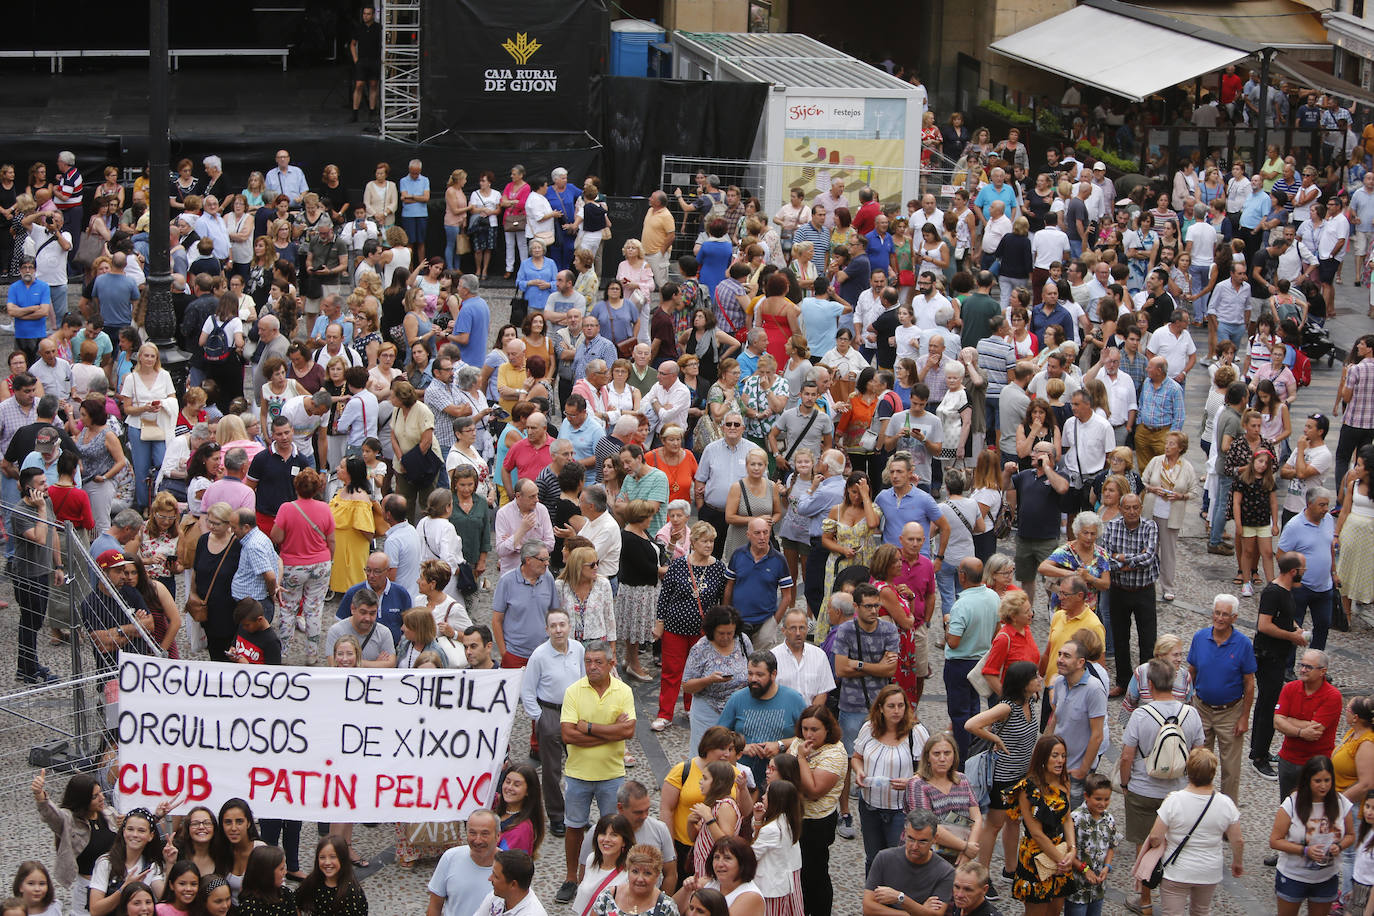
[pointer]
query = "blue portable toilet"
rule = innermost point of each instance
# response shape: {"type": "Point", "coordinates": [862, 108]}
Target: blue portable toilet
{"type": "Point", "coordinates": [630, 40]}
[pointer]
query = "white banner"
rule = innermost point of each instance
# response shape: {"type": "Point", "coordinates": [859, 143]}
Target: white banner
{"type": "Point", "coordinates": [327, 744]}
{"type": "Point", "coordinates": [823, 114]}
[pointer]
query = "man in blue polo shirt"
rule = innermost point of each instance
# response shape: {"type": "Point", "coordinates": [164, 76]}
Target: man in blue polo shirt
{"type": "Point", "coordinates": [584, 431]}
{"type": "Point", "coordinates": [29, 303]}
{"type": "Point", "coordinates": [754, 579]}
{"type": "Point", "coordinates": [1222, 661]}
{"type": "Point", "coordinates": [997, 189]}
{"type": "Point", "coordinates": [904, 502]}
{"type": "Point", "coordinates": [392, 599]}
{"type": "Point", "coordinates": [878, 243]}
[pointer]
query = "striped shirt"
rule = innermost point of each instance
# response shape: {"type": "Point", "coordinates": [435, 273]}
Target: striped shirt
{"type": "Point", "coordinates": [69, 190]}
{"type": "Point", "coordinates": [1360, 379]}
{"type": "Point", "coordinates": [995, 356]}
{"type": "Point", "coordinates": [820, 238]}
{"type": "Point", "coordinates": [1138, 546]}
{"type": "Point", "coordinates": [1019, 734]}
{"type": "Point", "coordinates": [1162, 406]}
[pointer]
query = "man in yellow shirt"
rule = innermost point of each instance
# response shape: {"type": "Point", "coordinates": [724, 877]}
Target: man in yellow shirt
{"type": "Point", "coordinates": [657, 236]}
{"type": "Point", "coordinates": [598, 716]}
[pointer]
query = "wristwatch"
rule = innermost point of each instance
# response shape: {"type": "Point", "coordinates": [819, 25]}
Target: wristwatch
{"type": "Point", "coordinates": [901, 899]}
{"type": "Point", "coordinates": [859, 665]}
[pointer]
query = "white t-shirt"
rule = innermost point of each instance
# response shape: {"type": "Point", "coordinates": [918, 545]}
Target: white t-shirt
{"type": "Point", "coordinates": [303, 424]}
{"type": "Point", "coordinates": [1204, 241]}
{"type": "Point", "coordinates": [231, 327]}
{"type": "Point", "coordinates": [960, 543]}
{"type": "Point", "coordinates": [908, 342]}
{"type": "Point", "coordinates": [1295, 490]}
{"type": "Point", "coordinates": [1175, 350]}
{"type": "Point", "coordinates": [1048, 245]}
{"type": "Point", "coordinates": [538, 218]}
{"type": "Point", "coordinates": [1201, 860]}
{"type": "Point", "coordinates": [1316, 832]}
{"type": "Point", "coordinates": [100, 872]}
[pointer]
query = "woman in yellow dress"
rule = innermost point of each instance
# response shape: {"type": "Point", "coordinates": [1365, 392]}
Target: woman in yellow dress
{"type": "Point", "coordinates": [851, 533]}
{"type": "Point", "coordinates": [354, 525]}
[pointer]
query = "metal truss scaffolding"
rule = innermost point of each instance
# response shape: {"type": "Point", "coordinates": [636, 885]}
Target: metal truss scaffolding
{"type": "Point", "coordinates": [400, 95]}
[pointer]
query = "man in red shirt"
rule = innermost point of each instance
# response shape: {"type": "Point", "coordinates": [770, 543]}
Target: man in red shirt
{"type": "Point", "coordinates": [530, 455]}
{"type": "Point", "coordinates": [916, 585]}
{"type": "Point", "coordinates": [1230, 85]}
{"type": "Point", "coordinates": [1307, 714]}
{"type": "Point", "coordinates": [869, 208]}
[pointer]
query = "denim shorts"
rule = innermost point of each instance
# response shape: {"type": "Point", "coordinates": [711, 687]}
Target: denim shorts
{"type": "Point", "coordinates": [578, 795]}
{"type": "Point", "coordinates": [850, 724]}
{"type": "Point", "coordinates": [1293, 891]}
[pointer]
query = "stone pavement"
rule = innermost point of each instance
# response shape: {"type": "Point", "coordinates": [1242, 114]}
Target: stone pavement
{"type": "Point", "coordinates": [393, 891]}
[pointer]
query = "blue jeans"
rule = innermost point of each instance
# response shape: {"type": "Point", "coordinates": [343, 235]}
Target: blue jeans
{"type": "Point", "coordinates": [1232, 332]}
{"type": "Point", "coordinates": [1007, 285]}
{"type": "Point", "coordinates": [1219, 510]}
{"type": "Point", "coordinates": [881, 828]}
{"type": "Point", "coordinates": [147, 456]}
{"type": "Point", "coordinates": [961, 700]}
{"type": "Point", "coordinates": [1320, 603]}
{"type": "Point", "coordinates": [9, 498]}
{"type": "Point", "coordinates": [1083, 909]}
{"type": "Point", "coordinates": [450, 253]}
{"type": "Point", "coordinates": [1075, 249]}
{"type": "Point", "coordinates": [702, 716]}
{"type": "Point", "coordinates": [59, 302]}
{"type": "Point", "coordinates": [1104, 614]}
{"type": "Point", "coordinates": [1199, 277]}
{"type": "Point", "coordinates": [947, 582]}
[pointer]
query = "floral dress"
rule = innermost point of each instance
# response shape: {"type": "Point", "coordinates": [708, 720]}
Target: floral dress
{"type": "Point", "coordinates": [605, 905]}
{"type": "Point", "coordinates": [907, 675]}
{"type": "Point", "coordinates": [755, 396]}
{"type": "Point", "coordinates": [1065, 557]}
{"type": "Point", "coordinates": [593, 618]}
{"type": "Point", "coordinates": [860, 538]}
{"type": "Point", "coordinates": [1048, 807]}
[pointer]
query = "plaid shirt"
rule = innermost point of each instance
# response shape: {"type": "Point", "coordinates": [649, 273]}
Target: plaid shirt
{"type": "Point", "coordinates": [438, 396]}
{"type": "Point", "coordinates": [1359, 412]}
{"type": "Point", "coordinates": [1162, 406]}
{"type": "Point", "coordinates": [1135, 368]}
{"type": "Point", "coordinates": [1139, 566]}
{"type": "Point", "coordinates": [12, 417]}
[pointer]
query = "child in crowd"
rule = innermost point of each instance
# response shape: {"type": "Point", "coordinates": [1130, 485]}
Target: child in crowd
{"type": "Point", "coordinates": [33, 887]}
{"type": "Point", "coordinates": [1095, 830]}
{"type": "Point", "coordinates": [377, 469]}
{"type": "Point", "coordinates": [183, 887]}
{"type": "Point", "coordinates": [1255, 507]}
{"type": "Point", "coordinates": [1359, 901]}
{"type": "Point", "coordinates": [257, 642]}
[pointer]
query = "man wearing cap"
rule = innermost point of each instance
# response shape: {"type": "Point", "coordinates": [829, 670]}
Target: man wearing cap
{"type": "Point", "coordinates": [103, 614]}
{"type": "Point", "coordinates": [37, 554]}
{"type": "Point", "coordinates": [47, 446]}
{"type": "Point", "coordinates": [29, 303]}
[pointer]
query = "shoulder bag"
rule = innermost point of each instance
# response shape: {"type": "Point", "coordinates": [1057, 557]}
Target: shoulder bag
{"type": "Point", "coordinates": [975, 676]}
{"type": "Point", "coordinates": [195, 604]}
{"type": "Point", "coordinates": [1156, 875]}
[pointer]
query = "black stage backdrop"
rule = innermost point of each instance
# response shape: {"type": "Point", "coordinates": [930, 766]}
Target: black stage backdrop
{"type": "Point", "coordinates": [642, 120]}
{"type": "Point", "coordinates": [500, 65]}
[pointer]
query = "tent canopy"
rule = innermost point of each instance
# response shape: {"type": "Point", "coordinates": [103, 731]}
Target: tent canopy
{"type": "Point", "coordinates": [1310, 77]}
{"type": "Point", "coordinates": [1125, 51]}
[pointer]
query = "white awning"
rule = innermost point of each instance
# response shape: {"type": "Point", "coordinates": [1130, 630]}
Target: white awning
{"type": "Point", "coordinates": [1121, 54]}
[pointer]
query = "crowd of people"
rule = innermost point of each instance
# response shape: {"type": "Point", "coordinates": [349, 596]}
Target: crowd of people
{"type": "Point", "coordinates": [778, 477]}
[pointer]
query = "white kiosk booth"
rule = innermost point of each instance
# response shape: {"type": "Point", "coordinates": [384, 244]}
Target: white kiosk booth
{"type": "Point", "coordinates": [828, 115]}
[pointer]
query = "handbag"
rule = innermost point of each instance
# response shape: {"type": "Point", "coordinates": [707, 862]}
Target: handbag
{"type": "Point", "coordinates": [519, 310]}
{"type": "Point", "coordinates": [1006, 519]}
{"type": "Point", "coordinates": [92, 246]}
{"type": "Point", "coordinates": [195, 604]}
{"type": "Point", "coordinates": [1045, 867]}
{"type": "Point", "coordinates": [463, 244]}
{"type": "Point", "coordinates": [975, 676]}
{"type": "Point", "coordinates": [1156, 875]}
{"type": "Point", "coordinates": [515, 222]}
{"type": "Point", "coordinates": [545, 237]}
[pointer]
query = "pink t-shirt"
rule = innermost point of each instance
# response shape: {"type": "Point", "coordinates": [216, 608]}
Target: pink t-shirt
{"type": "Point", "coordinates": [229, 490]}
{"type": "Point", "coordinates": [302, 544]}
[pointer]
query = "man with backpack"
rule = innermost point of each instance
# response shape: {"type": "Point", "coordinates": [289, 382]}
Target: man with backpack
{"type": "Point", "coordinates": [1154, 753]}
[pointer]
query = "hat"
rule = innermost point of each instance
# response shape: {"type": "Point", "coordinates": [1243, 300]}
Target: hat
{"type": "Point", "coordinates": [1099, 166]}
{"type": "Point", "coordinates": [46, 441]}
{"type": "Point", "coordinates": [112, 559]}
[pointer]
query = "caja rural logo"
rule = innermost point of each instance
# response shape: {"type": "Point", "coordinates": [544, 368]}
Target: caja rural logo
{"type": "Point", "coordinates": [521, 48]}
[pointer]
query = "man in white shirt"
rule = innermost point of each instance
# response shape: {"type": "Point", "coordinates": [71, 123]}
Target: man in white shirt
{"type": "Point", "coordinates": [356, 233]}
{"type": "Point", "coordinates": [1048, 245]}
{"type": "Point", "coordinates": [1295, 258]}
{"type": "Point", "coordinates": [832, 201]}
{"type": "Point", "coordinates": [1056, 366]}
{"type": "Point", "coordinates": [1120, 392]}
{"type": "Point", "coordinates": [869, 306]}
{"type": "Point", "coordinates": [1105, 186]}
{"type": "Point", "coordinates": [1201, 244]}
{"type": "Point", "coordinates": [1096, 201]}
{"type": "Point", "coordinates": [1332, 245]}
{"type": "Point", "coordinates": [54, 372]}
{"type": "Point", "coordinates": [929, 213]}
{"type": "Point", "coordinates": [803, 666]}
{"type": "Point", "coordinates": [927, 303]}
{"type": "Point", "coordinates": [1087, 438]}
{"type": "Point", "coordinates": [997, 226]}
{"type": "Point", "coordinates": [307, 414]}
{"type": "Point", "coordinates": [1308, 466]}
{"type": "Point", "coordinates": [553, 667]}
{"type": "Point", "coordinates": [668, 400]}
{"type": "Point", "coordinates": [1175, 344]}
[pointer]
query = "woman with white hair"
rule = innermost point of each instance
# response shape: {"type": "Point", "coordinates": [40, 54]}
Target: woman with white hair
{"type": "Point", "coordinates": [955, 415]}
{"type": "Point", "coordinates": [676, 535]}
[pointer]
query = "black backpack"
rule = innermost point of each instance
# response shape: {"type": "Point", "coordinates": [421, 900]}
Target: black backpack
{"type": "Point", "coordinates": [216, 347]}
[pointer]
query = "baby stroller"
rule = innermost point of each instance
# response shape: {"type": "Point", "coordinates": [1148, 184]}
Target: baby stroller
{"type": "Point", "coordinates": [1316, 343]}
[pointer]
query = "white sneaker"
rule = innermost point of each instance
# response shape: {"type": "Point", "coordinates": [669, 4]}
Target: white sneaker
{"type": "Point", "coordinates": [1246, 590]}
